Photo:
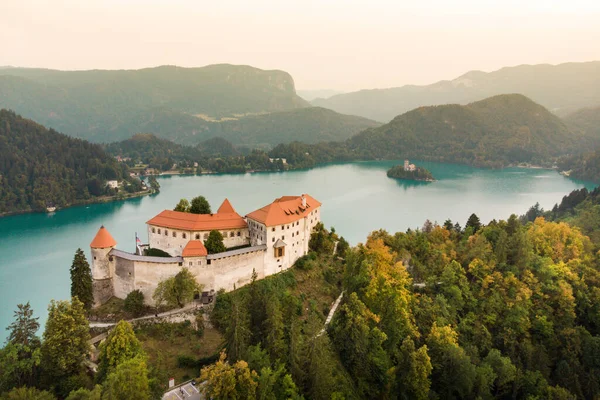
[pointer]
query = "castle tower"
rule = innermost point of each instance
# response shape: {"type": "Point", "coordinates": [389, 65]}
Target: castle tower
{"type": "Point", "coordinates": [102, 273]}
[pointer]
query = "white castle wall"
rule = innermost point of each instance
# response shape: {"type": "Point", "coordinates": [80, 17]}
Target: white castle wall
{"type": "Point", "coordinates": [163, 239]}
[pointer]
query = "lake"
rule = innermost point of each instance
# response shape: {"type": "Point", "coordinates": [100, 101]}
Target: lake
{"type": "Point", "coordinates": [37, 249]}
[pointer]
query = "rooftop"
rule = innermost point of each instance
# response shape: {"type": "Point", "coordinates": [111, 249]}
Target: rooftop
{"type": "Point", "coordinates": [103, 239]}
{"type": "Point", "coordinates": [284, 210]}
{"type": "Point", "coordinates": [194, 248]}
{"type": "Point", "coordinates": [225, 218]}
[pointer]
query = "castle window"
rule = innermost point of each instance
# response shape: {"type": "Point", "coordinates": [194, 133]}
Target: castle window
{"type": "Point", "coordinates": [184, 235]}
{"type": "Point", "coordinates": [273, 229]}
{"type": "Point", "coordinates": [288, 227]}
{"type": "Point", "coordinates": [159, 231]}
{"type": "Point", "coordinates": [180, 264]}
{"type": "Point", "coordinates": [279, 265]}
{"type": "Point", "coordinates": [208, 262]}
{"type": "Point", "coordinates": [191, 263]}
{"type": "Point", "coordinates": [231, 234]}
{"type": "Point", "coordinates": [199, 262]}
{"type": "Point", "coordinates": [197, 236]}
{"type": "Point", "coordinates": [153, 230]}
{"type": "Point", "coordinates": [205, 236]}
{"type": "Point", "coordinates": [239, 233]}
{"type": "Point", "coordinates": [273, 240]}
{"type": "Point", "coordinates": [174, 234]}
{"type": "Point", "coordinates": [292, 234]}
{"type": "Point", "coordinates": [166, 232]}
{"type": "Point", "coordinates": [297, 232]}
{"type": "Point", "coordinates": [110, 258]}
{"type": "Point", "coordinates": [282, 227]}
{"type": "Point", "coordinates": [94, 257]}
{"type": "Point", "coordinates": [283, 237]}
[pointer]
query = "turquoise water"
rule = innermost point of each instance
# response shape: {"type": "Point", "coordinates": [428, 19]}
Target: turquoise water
{"type": "Point", "coordinates": [37, 249]}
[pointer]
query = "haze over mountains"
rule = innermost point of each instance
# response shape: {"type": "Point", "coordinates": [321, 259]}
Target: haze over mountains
{"type": "Point", "coordinates": [562, 89]}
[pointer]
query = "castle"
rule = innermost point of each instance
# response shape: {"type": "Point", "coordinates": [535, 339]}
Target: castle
{"type": "Point", "coordinates": [267, 241]}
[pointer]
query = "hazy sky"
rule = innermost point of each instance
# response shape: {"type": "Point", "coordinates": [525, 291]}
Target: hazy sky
{"type": "Point", "coordinates": [334, 44]}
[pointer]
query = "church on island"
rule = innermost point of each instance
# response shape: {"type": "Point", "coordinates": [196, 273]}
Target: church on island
{"type": "Point", "coordinates": [267, 240]}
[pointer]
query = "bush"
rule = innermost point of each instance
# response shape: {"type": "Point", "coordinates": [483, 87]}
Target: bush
{"type": "Point", "coordinates": [156, 253]}
{"type": "Point", "coordinates": [134, 302]}
{"type": "Point", "coordinates": [186, 362]}
{"type": "Point", "coordinates": [305, 262]}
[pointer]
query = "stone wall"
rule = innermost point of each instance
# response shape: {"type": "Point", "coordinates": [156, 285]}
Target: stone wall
{"type": "Point", "coordinates": [174, 245]}
{"type": "Point", "coordinates": [103, 291]}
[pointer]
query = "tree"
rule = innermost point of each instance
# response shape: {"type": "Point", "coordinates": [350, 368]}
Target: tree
{"type": "Point", "coordinates": [128, 381]}
{"type": "Point", "coordinates": [27, 393]}
{"type": "Point", "coordinates": [177, 290]}
{"type": "Point", "coordinates": [85, 394]}
{"type": "Point", "coordinates": [473, 222]}
{"type": "Point", "coordinates": [183, 206]}
{"type": "Point", "coordinates": [120, 345]}
{"type": "Point", "coordinates": [66, 338]}
{"type": "Point", "coordinates": [214, 243]}
{"type": "Point", "coordinates": [154, 184]}
{"type": "Point", "coordinates": [23, 330]}
{"type": "Point", "coordinates": [414, 369]}
{"type": "Point", "coordinates": [225, 381]}
{"type": "Point", "coordinates": [81, 280]}
{"type": "Point", "coordinates": [200, 206]}
{"type": "Point", "coordinates": [274, 340]}
{"type": "Point", "coordinates": [237, 334]}
{"type": "Point", "coordinates": [134, 302]}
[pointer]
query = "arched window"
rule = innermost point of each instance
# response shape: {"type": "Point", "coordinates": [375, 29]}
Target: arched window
{"type": "Point", "coordinates": [153, 230]}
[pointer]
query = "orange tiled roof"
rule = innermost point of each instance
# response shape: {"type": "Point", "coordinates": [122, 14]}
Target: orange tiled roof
{"type": "Point", "coordinates": [226, 207]}
{"type": "Point", "coordinates": [284, 210]}
{"type": "Point", "coordinates": [198, 222]}
{"type": "Point", "coordinates": [103, 239]}
{"type": "Point", "coordinates": [194, 248]}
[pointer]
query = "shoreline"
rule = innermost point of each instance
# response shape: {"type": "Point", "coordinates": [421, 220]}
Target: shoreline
{"type": "Point", "coordinates": [98, 200]}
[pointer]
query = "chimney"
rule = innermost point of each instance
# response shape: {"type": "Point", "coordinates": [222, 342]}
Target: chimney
{"type": "Point", "coordinates": [303, 201]}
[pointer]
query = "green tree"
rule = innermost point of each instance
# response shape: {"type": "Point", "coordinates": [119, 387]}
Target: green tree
{"type": "Point", "coordinates": [473, 222]}
{"type": "Point", "coordinates": [86, 394]}
{"type": "Point", "coordinates": [154, 184]}
{"type": "Point", "coordinates": [229, 382]}
{"type": "Point", "coordinates": [183, 206]}
{"type": "Point", "coordinates": [120, 345]}
{"type": "Point", "coordinates": [413, 369]}
{"type": "Point", "coordinates": [274, 340]}
{"type": "Point", "coordinates": [66, 338]}
{"type": "Point", "coordinates": [200, 206]}
{"type": "Point", "coordinates": [237, 335]}
{"type": "Point", "coordinates": [129, 381]}
{"type": "Point", "coordinates": [23, 330]}
{"type": "Point", "coordinates": [177, 290]}
{"type": "Point", "coordinates": [81, 280]}
{"type": "Point", "coordinates": [27, 393]}
{"type": "Point", "coordinates": [214, 243]}
{"type": "Point", "coordinates": [134, 302]}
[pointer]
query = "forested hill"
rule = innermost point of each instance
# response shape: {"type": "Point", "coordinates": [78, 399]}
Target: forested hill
{"type": "Point", "coordinates": [41, 167]}
{"type": "Point", "coordinates": [586, 121]}
{"type": "Point", "coordinates": [560, 88]}
{"type": "Point", "coordinates": [104, 106]}
{"type": "Point", "coordinates": [494, 132]}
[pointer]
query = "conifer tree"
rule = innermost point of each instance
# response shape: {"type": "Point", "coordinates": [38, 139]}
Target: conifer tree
{"type": "Point", "coordinates": [23, 329]}
{"type": "Point", "coordinates": [81, 280]}
{"type": "Point", "coordinates": [473, 222]}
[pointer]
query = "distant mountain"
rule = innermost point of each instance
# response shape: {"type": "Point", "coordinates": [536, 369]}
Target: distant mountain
{"type": "Point", "coordinates": [309, 125]}
{"type": "Point", "coordinates": [41, 167]}
{"type": "Point", "coordinates": [496, 132]}
{"type": "Point", "coordinates": [585, 121]}
{"type": "Point", "coordinates": [310, 95]}
{"type": "Point", "coordinates": [560, 88]}
{"type": "Point", "coordinates": [104, 106]}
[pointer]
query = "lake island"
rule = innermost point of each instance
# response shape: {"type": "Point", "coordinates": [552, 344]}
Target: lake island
{"type": "Point", "coordinates": [410, 172]}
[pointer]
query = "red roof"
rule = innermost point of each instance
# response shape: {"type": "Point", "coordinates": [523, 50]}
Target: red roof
{"type": "Point", "coordinates": [103, 239]}
{"type": "Point", "coordinates": [194, 248]}
{"type": "Point", "coordinates": [226, 207]}
{"type": "Point", "coordinates": [198, 222]}
{"type": "Point", "coordinates": [284, 210]}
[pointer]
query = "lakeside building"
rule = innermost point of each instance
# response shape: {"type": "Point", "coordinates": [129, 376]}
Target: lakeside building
{"type": "Point", "coordinates": [267, 241]}
{"type": "Point", "coordinates": [408, 166]}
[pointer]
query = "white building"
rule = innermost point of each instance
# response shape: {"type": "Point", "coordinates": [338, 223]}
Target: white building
{"type": "Point", "coordinates": [267, 241]}
{"type": "Point", "coordinates": [112, 184]}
